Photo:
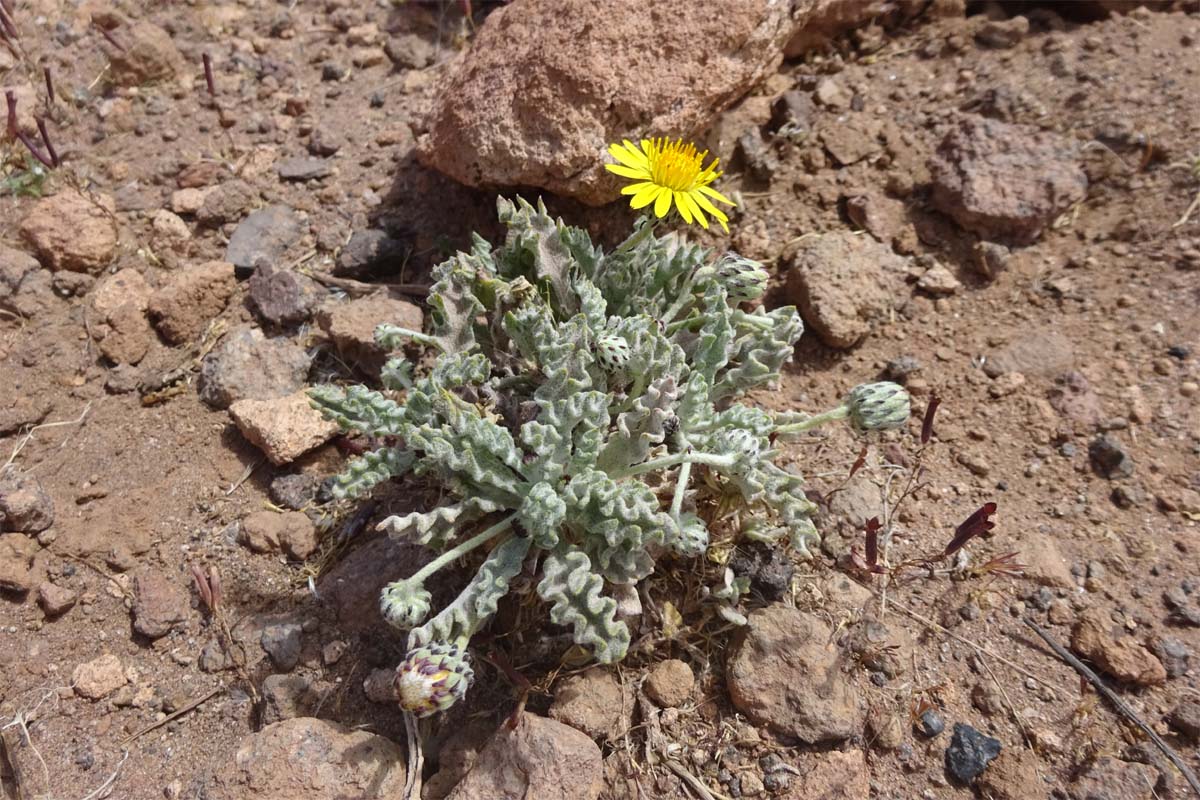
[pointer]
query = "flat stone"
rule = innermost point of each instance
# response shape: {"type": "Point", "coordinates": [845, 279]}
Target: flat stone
{"type": "Point", "coordinates": [591, 702]}
{"type": "Point", "coordinates": [370, 252]}
{"type": "Point", "coordinates": [310, 758]}
{"type": "Point", "coordinates": [160, 605]}
{"type": "Point", "coordinates": [147, 54]}
{"type": "Point", "coordinates": [283, 643]}
{"type": "Point", "coordinates": [302, 168]}
{"type": "Point", "coordinates": [284, 297]}
{"type": "Point", "coordinates": [843, 285]}
{"type": "Point", "coordinates": [16, 562]}
{"type": "Point", "coordinates": [351, 326]}
{"type": "Point", "coordinates": [182, 309]}
{"type": "Point", "coordinates": [55, 600]}
{"type": "Point", "coordinates": [1040, 352]}
{"type": "Point", "coordinates": [227, 202]}
{"type": "Point", "coordinates": [538, 757]}
{"type": "Point", "coordinates": [1097, 638]}
{"type": "Point", "coordinates": [73, 232]}
{"type": "Point", "coordinates": [246, 365]}
{"type": "Point", "coordinates": [98, 677]}
{"type": "Point", "coordinates": [284, 428]}
{"type": "Point", "coordinates": [1109, 778]}
{"type": "Point", "coordinates": [264, 236]}
{"type": "Point", "coordinates": [784, 672]}
{"type": "Point", "coordinates": [25, 288]}
{"type": "Point", "coordinates": [669, 683]}
{"type": "Point", "coordinates": [1005, 182]}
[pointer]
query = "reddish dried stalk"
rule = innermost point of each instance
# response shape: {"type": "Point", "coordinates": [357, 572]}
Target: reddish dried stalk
{"type": "Point", "coordinates": [110, 38]}
{"type": "Point", "coordinates": [208, 75]}
{"type": "Point", "coordinates": [49, 84]}
{"type": "Point", "coordinates": [927, 423]}
{"type": "Point", "coordinates": [54, 160]}
{"type": "Point", "coordinates": [7, 23]}
{"type": "Point", "coordinates": [10, 98]}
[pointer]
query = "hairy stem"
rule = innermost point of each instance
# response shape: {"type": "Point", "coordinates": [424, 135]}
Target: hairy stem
{"type": "Point", "coordinates": [841, 412]}
{"type": "Point", "coordinates": [461, 549]}
{"type": "Point", "coordinates": [638, 236]}
{"type": "Point", "coordinates": [708, 459]}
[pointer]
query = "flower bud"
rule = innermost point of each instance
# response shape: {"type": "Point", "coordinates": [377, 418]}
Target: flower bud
{"type": "Point", "coordinates": [612, 352]}
{"type": "Point", "coordinates": [404, 605]}
{"type": "Point", "coordinates": [432, 678]}
{"type": "Point", "coordinates": [692, 540]}
{"type": "Point", "coordinates": [743, 278]}
{"type": "Point", "coordinates": [878, 406]}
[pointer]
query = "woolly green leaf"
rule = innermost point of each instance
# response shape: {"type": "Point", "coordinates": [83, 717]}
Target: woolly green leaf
{"type": "Point", "coordinates": [476, 603]}
{"type": "Point", "coordinates": [438, 525]}
{"type": "Point", "coordinates": [574, 592]}
{"type": "Point", "coordinates": [365, 472]}
{"type": "Point", "coordinates": [357, 408]}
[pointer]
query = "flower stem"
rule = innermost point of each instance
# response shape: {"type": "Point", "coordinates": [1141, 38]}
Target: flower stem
{"type": "Point", "coordinates": [638, 236]}
{"type": "Point", "coordinates": [460, 550]}
{"type": "Point", "coordinates": [708, 459]}
{"type": "Point", "coordinates": [841, 412]}
{"type": "Point", "coordinates": [681, 483]}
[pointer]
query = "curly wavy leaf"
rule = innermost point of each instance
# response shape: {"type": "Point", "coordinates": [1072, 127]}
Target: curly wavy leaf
{"type": "Point", "coordinates": [476, 603]}
{"type": "Point", "coordinates": [573, 591]}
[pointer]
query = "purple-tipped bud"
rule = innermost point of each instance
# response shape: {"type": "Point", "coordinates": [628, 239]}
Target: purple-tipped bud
{"type": "Point", "coordinates": [432, 678]}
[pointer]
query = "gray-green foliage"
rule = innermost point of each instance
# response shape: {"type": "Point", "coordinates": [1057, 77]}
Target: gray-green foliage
{"type": "Point", "coordinates": [574, 397]}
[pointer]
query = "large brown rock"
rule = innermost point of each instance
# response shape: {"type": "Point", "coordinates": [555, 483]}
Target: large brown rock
{"type": "Point", "coordinates": [783, 672]}
{"type": "Point", "coordinates": [184, 307]}
{"type": "Point", "coordinates": [73, 231]}
{"type": "Point", "coordinates": [351, 326]}
{"type": "Point", "coordinates": [1003, 181]}
{"type": "Point", "coordinates": [843, 284]}
{"type": "Point", "coordinates": [313, 759]}
{"type": "Point", "coordinates": [537, 758]}
{"type": "Point", "coordinates": [1100, 640]}
{"type": "Point", "coordinates": [284, 428]}
{"type": "Point", "coordinates": [548, 84]}
{"type": "Point", "coordinates": [1110, 778]}
{"type": "Point", "coordinates": [592, 702]}
{"type": "Point", "coordinates": [148, 55]}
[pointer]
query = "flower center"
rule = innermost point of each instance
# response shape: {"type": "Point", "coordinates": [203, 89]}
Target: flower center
{"type": "Point", "coordinates": [675, 165]}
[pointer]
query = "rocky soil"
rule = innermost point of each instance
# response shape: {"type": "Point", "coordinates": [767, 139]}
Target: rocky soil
{"type": "Point", "coordinates": [995, 205]}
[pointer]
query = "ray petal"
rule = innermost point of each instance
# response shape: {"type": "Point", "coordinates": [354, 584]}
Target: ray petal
{"type": "Point", "coordinates": [634, 188]}
{"type": "Point", "coordinates": [645, 195]}
{"type": "Point", "coordinates": [628, 155]}
{"type": "Point", "coordinates": [713, 193]}
{"type": "Point", "coordinates": [694, 207]}
{"type": "Point", "coordinates": [685, 209]}
{"type": "Point", "coordinates": [637, 173]}
{"type": "Point", "coordinates": [662, 204]}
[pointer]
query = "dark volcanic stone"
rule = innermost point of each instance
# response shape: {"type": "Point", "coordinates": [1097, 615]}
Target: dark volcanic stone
{"type": "Point", "coordinates": [370, 252]}
{"type": "Point", "coordinates": [1109, 457]}
{"type": "Point", "coordinates": [970, 752]}
{"type": "Point", "coordinates": [769, 570]}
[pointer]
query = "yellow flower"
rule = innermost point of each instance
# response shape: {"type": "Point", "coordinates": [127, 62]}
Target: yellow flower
{"type": "Point", "coordinates": [669, 172]}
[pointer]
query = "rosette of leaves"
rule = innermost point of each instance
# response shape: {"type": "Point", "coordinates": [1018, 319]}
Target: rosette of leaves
{"type": "Point", "coordinates": [571, 389]}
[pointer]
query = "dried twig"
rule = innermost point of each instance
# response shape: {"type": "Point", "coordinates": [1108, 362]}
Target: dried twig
{"type": "Point", "coordinates": [1188, 213]}
{"type": "Point", "coordinates": [692, 781]}
{"type": "Point", "coordinates": [208, 75]}
{"type": "Point", "coordinates": [49, 85]}
{"type": "Point", "coordinates": [977, 647]}
{"type": "Point", "coordinates": [361, 287]}
{"type": "Point", "coordinates": [174, 715]}
{"type": "Point", "coordinates": [21, 445]}
{"type": "Point", "coordinates": [1117, 703]}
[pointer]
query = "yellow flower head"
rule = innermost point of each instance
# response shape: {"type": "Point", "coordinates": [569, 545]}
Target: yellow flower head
{"type": "Point", "coordinates": [667, 172]}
